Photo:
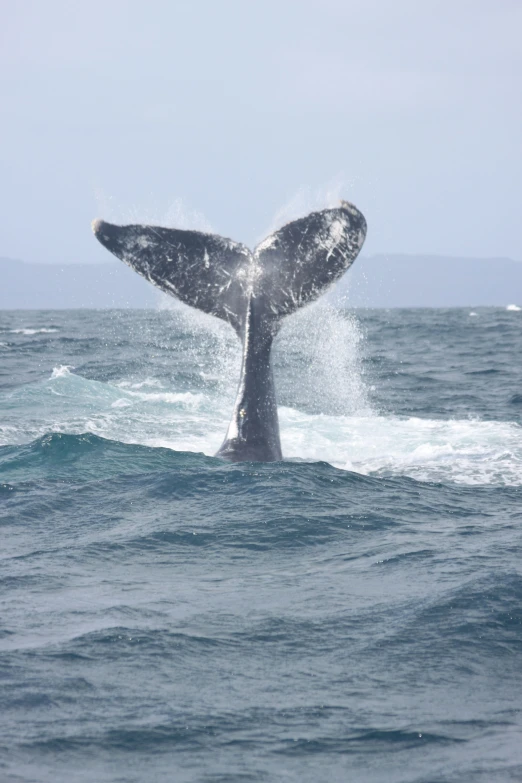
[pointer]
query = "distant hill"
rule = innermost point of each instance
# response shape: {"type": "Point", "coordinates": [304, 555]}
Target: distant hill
{"type": "Point", "coordinates": [378, 281]}
{"type": "Point", "coordinates": [26, 286]}
{"type": "Point", "coordinates": [432, 281]}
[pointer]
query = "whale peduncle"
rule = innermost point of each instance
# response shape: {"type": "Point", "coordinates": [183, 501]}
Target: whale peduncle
{"type": "Point", "coordinates": [253, 432]}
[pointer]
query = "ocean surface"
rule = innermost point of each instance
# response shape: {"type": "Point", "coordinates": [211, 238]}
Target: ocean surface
{"type": "Point", "coordinates": [353, 613]}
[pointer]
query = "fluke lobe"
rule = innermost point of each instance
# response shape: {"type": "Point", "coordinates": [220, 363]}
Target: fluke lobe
{"type": "Point", "coordinates": [251, 290]}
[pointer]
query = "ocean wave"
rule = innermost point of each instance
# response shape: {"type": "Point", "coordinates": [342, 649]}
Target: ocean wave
{"type": "Point", "coordinates": [465, 451]}
{"type": "Point", "coordinates": [273, 507]}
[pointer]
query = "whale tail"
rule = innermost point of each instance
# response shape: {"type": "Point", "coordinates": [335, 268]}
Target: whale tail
{"type": "Point", "coordinates": [251, 290]}
{"type": "Point", "coordinates": [291, 267]}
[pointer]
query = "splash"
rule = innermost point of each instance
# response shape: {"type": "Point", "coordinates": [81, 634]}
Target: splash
{"type": "Point", "coordinates": [460, 451]}
{"type": "Point", "coordinates": [307, 199]}
{"type": "Point", "coordinates": [327, 345]}
{"type": "Point", "coordinates": [211, 346]}
{"type": "Point", "coordinates": [324, 342]}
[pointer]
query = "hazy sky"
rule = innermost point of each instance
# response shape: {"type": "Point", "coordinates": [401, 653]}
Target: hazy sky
{"type": "Point", "coordinates": [232, 115]}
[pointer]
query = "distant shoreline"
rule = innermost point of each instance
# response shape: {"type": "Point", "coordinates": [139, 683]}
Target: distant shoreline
{"type": "Point", "coordinates": [390, 282]}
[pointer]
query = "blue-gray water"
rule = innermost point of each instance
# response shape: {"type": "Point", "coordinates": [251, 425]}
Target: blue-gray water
{"type": "Point", "coordinates": [353, 613]}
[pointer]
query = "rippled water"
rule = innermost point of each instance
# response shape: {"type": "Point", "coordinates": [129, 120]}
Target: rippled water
{"type": "Point", "coordinates": [352, 613]}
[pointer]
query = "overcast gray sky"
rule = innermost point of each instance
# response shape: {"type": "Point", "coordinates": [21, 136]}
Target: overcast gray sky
{"type": "Point", "coordinates": [233, 115]}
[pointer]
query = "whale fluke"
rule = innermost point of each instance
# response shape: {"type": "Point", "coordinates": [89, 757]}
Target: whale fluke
{"type": "Point", "coordinates": [251, 290]}
{"type": "Point", "coordinates": [202, 270]}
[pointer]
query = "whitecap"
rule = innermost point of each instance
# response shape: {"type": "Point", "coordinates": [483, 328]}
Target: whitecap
{"type": "Point", "coordinates": [121, 403]}
{"type": "Point", "coordinates": [150, 382]}
{"type": "Point", "coordinates": [62, 371]}
{"type": "Point", "coordinates": [185, 398]}
{"type": "Point", "coordinates": [30, 332]}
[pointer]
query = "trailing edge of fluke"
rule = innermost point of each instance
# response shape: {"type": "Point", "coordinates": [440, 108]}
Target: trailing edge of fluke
{"type": "Point", "coordinates": [251, 290]}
